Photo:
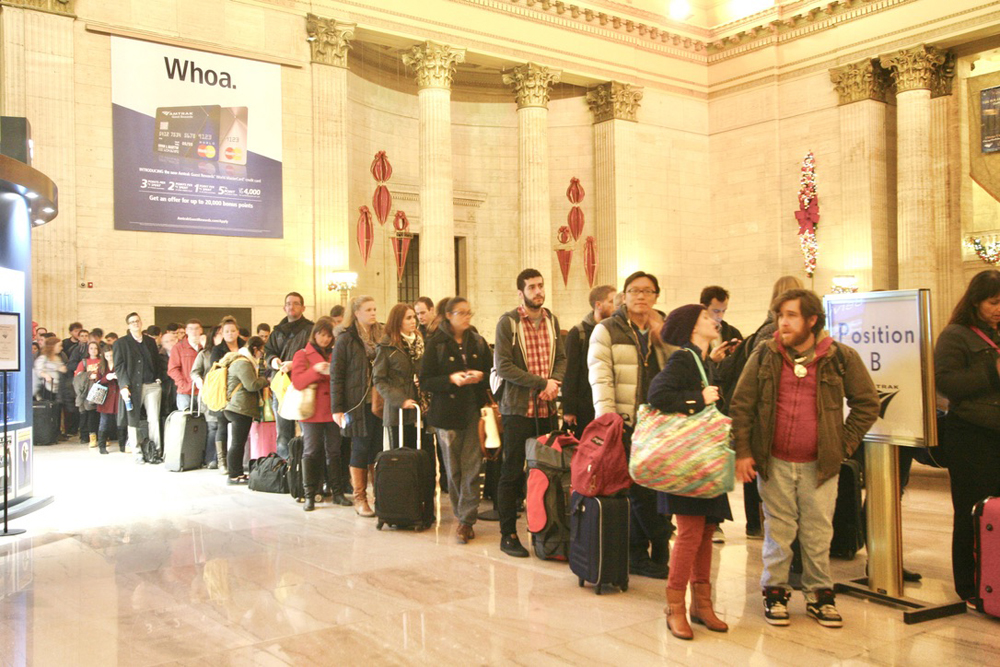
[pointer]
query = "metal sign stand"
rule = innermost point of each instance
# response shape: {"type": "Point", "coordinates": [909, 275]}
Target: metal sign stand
{"type": "Point", "coordinates": [7, 531]}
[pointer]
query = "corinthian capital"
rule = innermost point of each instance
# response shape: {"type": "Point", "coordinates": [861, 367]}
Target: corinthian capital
{"type": "Point", "coordinates": [434, 63]}
{"type": "Point", "coordinates": [914, 68]}
{"type": "Point", "coordinates": [865, 80]}
{"type": "Point", "coordinates": [614, 101]}
{"type": "Point", "coordinates": [329, 40]}
{"type": "Point", "coordinates": [64, 7]}
{"type": "Point", "coordinates": [531, 84]}
{"type": "Point", "coordinates": [943, 77]}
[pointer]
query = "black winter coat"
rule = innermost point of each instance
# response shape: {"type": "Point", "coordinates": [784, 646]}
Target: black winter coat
{"type": "Point", "coordinates": [677, 388]}
{"type": "Point", "coordinates": [577, 394]}
{"type": "Point", "coordinates": [351, 381]}
{"type": "Point", "coordinates": [394, 371]}
{"type": "Point", "coordinates": [452, 406]}
{"type": "Point", "coordinates": [285, 340]}
{"type": "Point", "coordinates": [129, 363]}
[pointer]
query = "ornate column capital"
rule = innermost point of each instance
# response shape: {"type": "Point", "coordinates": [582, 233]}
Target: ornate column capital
{"type": "Point", "coordinates": [433, 63]}
{"type": "Point", "coordinates": [329, 40]}
{"type": "Point", "coordinates": [63, 7]}
{"type": "Point", "coordinates": [866, 80]}
{"type": "Point", "coordinates": [531, 84]}
{"type": "Point", "coordinates": [943, 77]}
{"type": "Point", "coordinates": [614, 101]}
{"type": "Point", "coordinates": [914, 68]}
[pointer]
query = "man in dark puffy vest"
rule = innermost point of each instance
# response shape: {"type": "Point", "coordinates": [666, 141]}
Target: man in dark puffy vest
{"type": "Point", "coordinates": [577, 396]}
{"type": "Point", "coordinates": [288, 337]}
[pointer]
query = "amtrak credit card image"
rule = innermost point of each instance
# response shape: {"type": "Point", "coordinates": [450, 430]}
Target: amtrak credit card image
{"type": "Point", "coordinates": [233, 139]}
{"type": "Point", "coordinates": [191, 132]}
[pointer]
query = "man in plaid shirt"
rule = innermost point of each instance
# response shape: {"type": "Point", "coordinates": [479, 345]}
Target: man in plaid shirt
{"type": "Point", "coordinates": [530, 360]}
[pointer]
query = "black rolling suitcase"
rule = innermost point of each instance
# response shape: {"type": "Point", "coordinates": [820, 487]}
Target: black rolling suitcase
{"type": "Point", "coordinates": [848, 522]}
{"type": "Point", "coordinates": [294, 470]}
{"type": "Point", "coordinates": [598, 551]}
{"type": "Point", "coordinates": [45, 417]}
{"type": "Point", "coordinates": [404, 484]}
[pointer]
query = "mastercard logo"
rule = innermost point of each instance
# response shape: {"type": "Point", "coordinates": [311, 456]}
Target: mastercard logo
{"type": "Point", "coordinates": [234, 153]}
{"type": "Point", "coordinates": [206, 151]}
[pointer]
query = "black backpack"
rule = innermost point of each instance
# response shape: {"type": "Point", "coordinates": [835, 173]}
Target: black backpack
{"type": "Point", "coordinates": [294, 469]}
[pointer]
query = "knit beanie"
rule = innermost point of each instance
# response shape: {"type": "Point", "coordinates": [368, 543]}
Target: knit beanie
{"type": "Point", "coordinates": [680, 323]}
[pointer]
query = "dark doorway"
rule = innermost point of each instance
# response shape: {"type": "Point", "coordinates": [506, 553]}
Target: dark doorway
{"type": "Point", "coordinates": [209, 317]}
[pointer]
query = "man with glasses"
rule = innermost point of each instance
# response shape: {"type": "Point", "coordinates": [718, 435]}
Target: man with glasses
{"type": "Point", "coordinates": [138, 367]}
{"type": "Point", "coordinates": [577, 396]}
{"type": "Point", "coordinates": [530, 359]}
{"type": "Point", "coordinates": [288, 337]}
{"type": "Point", "coordinates": [625, 354]}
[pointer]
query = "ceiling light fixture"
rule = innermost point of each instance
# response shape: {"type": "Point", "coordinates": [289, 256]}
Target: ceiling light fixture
{"type": "Point", "coordinates": [680, 10]}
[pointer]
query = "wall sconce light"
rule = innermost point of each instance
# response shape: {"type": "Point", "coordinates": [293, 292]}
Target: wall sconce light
{"type": "Point", "coordinates": [343, 282]}
{"type": "Point", "coordinates": [845, 284]}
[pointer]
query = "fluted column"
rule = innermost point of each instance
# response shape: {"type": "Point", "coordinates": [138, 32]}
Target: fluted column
{"type": "Point", "coordinates": [913, 70]}
{"type": "Point", "coordinates": [614, 106]}
{"type": "Point", "coordinates": [947, 231]}
{"type": "Point", "coordinates": [531, 84]}
{"type": "Point", "coordinates": [434, 65]}
{"type": "Point", "coordinates": [329, 42]}
{"type": "Point", "coordinates": [38, 81]}
{"type": "Point", "coordinates": [862, 88]}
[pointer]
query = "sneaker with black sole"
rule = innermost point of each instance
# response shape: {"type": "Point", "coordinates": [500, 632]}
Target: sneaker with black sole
{"type": "Point", "coordinates": [755, 533]}
{"type": "Point", "coordinates": [511, 545]}
{"type": "Point", "coordinates": [718, 537]}
{"type": "Point", "coordinates": [821, 606]}
{"type": "Point", "coordinates": [776, 606]}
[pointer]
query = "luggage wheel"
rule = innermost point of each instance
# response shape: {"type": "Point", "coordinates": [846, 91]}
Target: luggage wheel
{"type": "Point", "coordinates": [379, 525]}
{"type": "Point", "coordinates": [597, 589]}
{"type": "Point", "coordinates": [581, 582]}
{"type": "Point", "coordinates": [624, 587]}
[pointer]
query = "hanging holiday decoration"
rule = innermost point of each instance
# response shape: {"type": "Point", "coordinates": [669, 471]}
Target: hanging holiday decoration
{"type": "Point", "coordinates": [808, 214]}
{"type": "Point", "coordinates": [381, 199]}
{"type": "Point", "coordinates": [590, 259]}
{"type": "Point", "coordinates": [366, 234]}
{"type": "Point", "coordinates": [401, 242]}
{"type": "Point", "coordinates": [989, 251]}
{"type": "Point", "coordinates": [575, 195]}
{"type": "Point", "coordinates": [564, 251]}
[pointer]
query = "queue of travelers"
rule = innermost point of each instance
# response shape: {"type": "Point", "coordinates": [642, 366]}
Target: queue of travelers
{"type": "Point", "coordinates": [421, 379]}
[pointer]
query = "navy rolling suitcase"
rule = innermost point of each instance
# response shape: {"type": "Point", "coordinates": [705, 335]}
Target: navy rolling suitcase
{"type": "Point", "coordinates": [598, 551]}
{"type": "Point", "coordinates": [404, 484]}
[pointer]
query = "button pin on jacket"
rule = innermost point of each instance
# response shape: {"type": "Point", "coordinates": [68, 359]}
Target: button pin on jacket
{"type": "Point", "coordinates": [451, 358]}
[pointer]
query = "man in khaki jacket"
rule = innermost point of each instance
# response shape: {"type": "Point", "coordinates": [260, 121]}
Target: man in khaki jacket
{"type": "Point", "coordinates": [789, 426]}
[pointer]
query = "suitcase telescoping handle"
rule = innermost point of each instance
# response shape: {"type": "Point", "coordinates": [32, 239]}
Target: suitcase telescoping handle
{"type": "Point", "coordinates": [419, 425]}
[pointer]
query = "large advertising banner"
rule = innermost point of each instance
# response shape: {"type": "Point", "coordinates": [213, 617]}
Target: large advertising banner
{"type": "Point", "coordinates": [197, 141]}
{"type": "Point", "coordinates": [891, 332]}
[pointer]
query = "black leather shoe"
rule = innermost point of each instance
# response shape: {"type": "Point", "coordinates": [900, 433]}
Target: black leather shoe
{"type": "Point", "coordinates": [911, 576]}
{"type": "Point", "coordinates": [646, 567]}
{"type": "Point", "coordinates": [310, 502]}
{"type": "Point", "coordinates": [511, 545]}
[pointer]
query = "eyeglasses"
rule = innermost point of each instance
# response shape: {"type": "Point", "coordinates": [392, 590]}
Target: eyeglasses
{"type": "Point", "coordinates": [134, 321]}
{"type": "Point", "coordinates": [463, 313]}
{"type": "Point", "coordinates": [641, 292]}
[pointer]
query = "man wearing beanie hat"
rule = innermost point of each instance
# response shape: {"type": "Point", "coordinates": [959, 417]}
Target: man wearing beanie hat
{"type": "Point", "coordinates": [789, 432]}
{"type": "Point", "coordinates": [625, 354]}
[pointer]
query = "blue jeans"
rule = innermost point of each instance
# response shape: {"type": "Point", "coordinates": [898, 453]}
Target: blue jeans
{"type": "Point", "coordinates": [183, 401]}
{"type": "Point", "coordinates": [795, 506]}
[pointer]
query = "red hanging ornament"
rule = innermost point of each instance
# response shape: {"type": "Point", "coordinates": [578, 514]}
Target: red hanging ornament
{"type": "Point", "coordinates": [400, 247]}
{"type": "Point", "coordinates": [575, 219]}
{"type": "Point", "coordinates": [366, 234]}
{"type": "Point", "coordinates": [590, 259]}
{"type": "Point", "coordinates": [564, 251]}
{"type": "Point", "coordinates": [381, 169]}
{"type": "Point", "coordinates": [575, 191]}
{"type": "Point", "coordinates": [382, 203]}
{"type": "Point", "coordinates": [400, 223]}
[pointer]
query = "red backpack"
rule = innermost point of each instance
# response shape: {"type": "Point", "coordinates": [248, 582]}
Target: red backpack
{"type": "Point", "coordinates": [599, 467]}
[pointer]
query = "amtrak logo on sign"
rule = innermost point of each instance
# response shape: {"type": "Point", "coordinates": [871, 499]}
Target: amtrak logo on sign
{"type": "Point", "coordinates": [885, 396]}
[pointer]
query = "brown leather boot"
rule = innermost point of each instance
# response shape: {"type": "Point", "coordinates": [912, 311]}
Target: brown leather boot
{"type": "Point", "coordinates": [359, 480]}
{"type": "Point", "coordinates": [677, 621]}
{"type": "Point", "coordinates": [701, 608]}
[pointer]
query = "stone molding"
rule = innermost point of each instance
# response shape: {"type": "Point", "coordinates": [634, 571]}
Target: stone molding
{"type": "Point", "coordinates": [914, 68]}
{"type": "Point", "coordinates": [329, 40]}
{"type": "Point", "coordinates": [866, 80]}
{"type": "Point", "coordinates": [614, 101]}
{"type": "Point", "coordinates": [944, 76]}
{"type": "Point", "coordinates": [433, 63]}
{"type": "Point", "coordinates": [531, 84]}
{"type": "Point", "coordinates": [63, 7]}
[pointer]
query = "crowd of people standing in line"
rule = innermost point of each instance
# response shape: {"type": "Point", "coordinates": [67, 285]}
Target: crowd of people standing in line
{"type": "Point", "coordinates": [784, 388]}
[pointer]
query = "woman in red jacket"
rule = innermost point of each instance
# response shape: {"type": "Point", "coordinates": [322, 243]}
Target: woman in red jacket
{"type": "Point", "coordinates": [320, 434]}
{"type": "Point", "coordinates": [109, 409]}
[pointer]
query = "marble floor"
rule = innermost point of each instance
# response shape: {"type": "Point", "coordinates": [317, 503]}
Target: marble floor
{"type": "Point", "coordinates": [132, 565]}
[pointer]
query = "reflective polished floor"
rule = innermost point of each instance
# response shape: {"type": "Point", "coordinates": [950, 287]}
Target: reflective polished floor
{"type": "Point", "coordinates": [132, 565]}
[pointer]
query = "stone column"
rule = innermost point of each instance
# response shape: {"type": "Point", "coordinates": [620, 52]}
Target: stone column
{"type": "Point", "coordinates": [38, 81]}
{"type": "Point", "coordinates": [531, 84]}
{"type": "Point", "coordinates": [947, 231]}
{"type": "Point", "coordinates": [329, 42]}
{"type": "Point", "coordinates": [869, 247]}
{"type": "Point", "coordinates": [434, 65]}
{"type": "Point", "coordinates": [913, 71]}
{"type": "Point", "coordinates": [614, 106]}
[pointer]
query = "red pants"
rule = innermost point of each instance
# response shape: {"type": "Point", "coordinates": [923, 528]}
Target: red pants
{"type": "Point", "coordinates": [691, 559]}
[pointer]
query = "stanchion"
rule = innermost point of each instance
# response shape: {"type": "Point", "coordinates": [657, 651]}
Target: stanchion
{"type": "Point", "coordinates": [884, 582]}
{"type": "Point", "coordinates": [7, 531]}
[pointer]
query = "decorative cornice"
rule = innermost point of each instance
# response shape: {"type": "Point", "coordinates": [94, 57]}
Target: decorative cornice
{"type": "Point", "coordinates": [914, 68]}
{"type": "Point", "coordinates": [944, 76]}
{"type": "Point", "coordinates": [865, 80]}
{"type": "Point", "coordinates": [614, 101]}
{"type": "Point", "coordinates": [61, 7]}
{"type": "Point", "coordinates": [531, 83]}
{"type": "Point", "coordinates": [329, 40]}
{"type": "Point", "coordinates": [434, 64]}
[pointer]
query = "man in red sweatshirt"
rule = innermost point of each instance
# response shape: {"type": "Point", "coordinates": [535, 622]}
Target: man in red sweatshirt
{"type": "Point", "coordinates": [181, 360]}
{"type": "Point", "coordinates": [790, 429]}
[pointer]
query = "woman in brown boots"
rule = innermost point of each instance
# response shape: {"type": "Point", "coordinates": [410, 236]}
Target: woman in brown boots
{"type": "Point", "coordinates": [684, 386]}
